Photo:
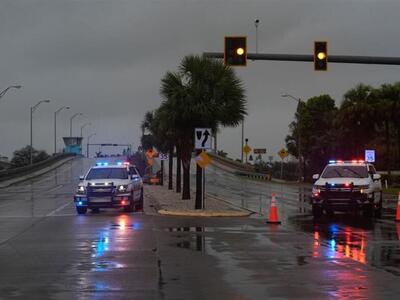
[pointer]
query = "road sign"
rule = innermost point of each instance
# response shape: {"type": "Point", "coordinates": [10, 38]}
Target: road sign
{"type": "Point", "coordinates": [370, 155]}
{"type": "Point", "coordinates": [151, 153]}
{"type": "Point", "coordinates": [246, 149]}
{"type": "Point", "coordinates": [260, 151]}
{"type": "Point", "coordinates": [202, 137]}
{"type": "Point", "coordinates": [202, 159]}
{"type": "Point", "coordinates": [283, 153]}
{"type": "Point", "coordinates": [163, 156]}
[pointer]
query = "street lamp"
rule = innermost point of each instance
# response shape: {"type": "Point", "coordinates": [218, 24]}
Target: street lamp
{"type": "Point", "coordinates": [87, 145]}
{"type": "Point", "coordinates": [33, 108]}
{"type": "Point", "coordinates": [256, 22]}
{"type": "Point", "coordinates": [55, 126]}
{"type": "Point", "coordinates": [298, 132]}
{"type": "Point", "coordinates": [70, 122]}
{"type": "Point", "coordinates": [83, 126]}
{"type": "Point", "coordinates": [2, 93]}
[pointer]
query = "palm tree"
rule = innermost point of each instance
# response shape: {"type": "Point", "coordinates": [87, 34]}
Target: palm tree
{"type": "Point", "coordinates": [203, 93]}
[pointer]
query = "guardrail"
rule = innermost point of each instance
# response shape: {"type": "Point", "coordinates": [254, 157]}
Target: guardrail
{"type": "Point", "coordinates": [12, 173]}
{"type": "Point", "coordinates": [231, 162]}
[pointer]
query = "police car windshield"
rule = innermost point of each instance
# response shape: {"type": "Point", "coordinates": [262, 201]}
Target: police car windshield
{"type": "Point", "coordinates": [345, 171]}
{"type": "Point", "coordinates": [107, 173]}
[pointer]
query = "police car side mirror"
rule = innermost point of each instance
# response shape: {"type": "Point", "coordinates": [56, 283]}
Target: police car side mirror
{"type": "Point", "coordinates": [376, 176]}
{"type": "Point", "coordinates": [81, 177]}
{"type": "Point", "coordinates": [315, 176]}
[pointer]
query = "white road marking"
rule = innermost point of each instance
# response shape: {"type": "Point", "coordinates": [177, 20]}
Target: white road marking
{"type": "Point", "coordinates": [58, 209]}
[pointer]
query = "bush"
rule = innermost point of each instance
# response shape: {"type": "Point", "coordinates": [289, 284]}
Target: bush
{"type": "Point", "coordinates": [22, 157]}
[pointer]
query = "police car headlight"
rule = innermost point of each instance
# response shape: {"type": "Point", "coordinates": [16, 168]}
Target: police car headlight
{"type": "Point", "coordinates": [364, 189]}
{"type": "Point", "coordinates": [81, 190]}
{"type": "Point", "coordinates": [122, 188]}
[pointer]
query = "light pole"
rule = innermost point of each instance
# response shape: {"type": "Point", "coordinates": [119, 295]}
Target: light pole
{"type": "Point", "coordinates": [83, 126]}
{"type": "Point", "coordinates": [256, 22]}
{"type": "Point", "coordinates": [33, 108]}
{"type": "Point", "coordinates": [87, 144]}
{"type": "Point", "coordinates": [298, 133]}
{"type": "Point", "coordinates": [70, 122]}
{"type": "Point", "coordinates": [241, 158]}
{"type": "Point", "coordinates": [2, 93]}
{"type": "Point", "coordinates": [55, 126]}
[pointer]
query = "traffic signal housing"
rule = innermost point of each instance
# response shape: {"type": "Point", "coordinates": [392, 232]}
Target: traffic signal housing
{"type": "Point", "coordinates": [235, 53]}
{"type": "Point", "coordinates": [320, 56]}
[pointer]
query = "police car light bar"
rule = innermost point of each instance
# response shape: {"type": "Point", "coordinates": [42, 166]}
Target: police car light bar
{"type": "Point", "coordinates": [346, 161]}
{"type": "Point", "coordinates": [99, 164]}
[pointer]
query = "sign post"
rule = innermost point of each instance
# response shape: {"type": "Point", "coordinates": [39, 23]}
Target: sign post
{"type": "Point", "coordinates": [202, 138]}
{"type": "Point", "coordinates": [283, 153]}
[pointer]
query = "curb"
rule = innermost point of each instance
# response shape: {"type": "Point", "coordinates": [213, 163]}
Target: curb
{"type": "Point", "coordinates": [10, 182]}
{"type": "Point", "coordinates": [194, 213]}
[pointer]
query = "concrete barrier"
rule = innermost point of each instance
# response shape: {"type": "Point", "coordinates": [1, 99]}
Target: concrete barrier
{"type": "Point", "coordinates": [13, 173]}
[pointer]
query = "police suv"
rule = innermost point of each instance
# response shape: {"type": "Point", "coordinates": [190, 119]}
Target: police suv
{"type": "Point", "coordinates": [109, 186]}
{"type": "Point", "coordinates": [347, 186]}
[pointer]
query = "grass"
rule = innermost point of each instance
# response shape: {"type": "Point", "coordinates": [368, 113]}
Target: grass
{"type": "Point", "coordinates": [392, 190]}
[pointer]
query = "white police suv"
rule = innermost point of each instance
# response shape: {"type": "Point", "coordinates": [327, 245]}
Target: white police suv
{"type": "Point", "coordinates": [347, 186]}
{"type": "Point", "coordinates": [109, 186]}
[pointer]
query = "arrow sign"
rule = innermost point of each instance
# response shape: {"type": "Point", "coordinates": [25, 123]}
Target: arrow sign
{"type": "Point", "coordinates": [205, 134]}
{"type": "Point", "coordinates": [202, 138]}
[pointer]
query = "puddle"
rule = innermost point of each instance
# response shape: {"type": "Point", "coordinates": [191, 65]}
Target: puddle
{"type": "Point", "coordinates": [192, 241]}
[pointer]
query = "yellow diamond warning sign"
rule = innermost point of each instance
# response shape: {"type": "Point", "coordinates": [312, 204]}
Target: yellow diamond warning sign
{"type": "Point", "coordinates": [247, 149]}
{"type": "Point", "coordinates": [283, 153]}
{"type": "Point", "coordinates": [202, 159]}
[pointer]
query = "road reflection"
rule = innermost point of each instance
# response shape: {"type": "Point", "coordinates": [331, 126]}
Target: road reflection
{"type": "Point", "coordinates": [375, 242]}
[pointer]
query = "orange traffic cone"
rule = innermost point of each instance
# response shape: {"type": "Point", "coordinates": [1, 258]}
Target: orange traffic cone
{"type": "Point", "coordinates": [273, 212]}
{"type": "Point", "coordinates": [398, 210]}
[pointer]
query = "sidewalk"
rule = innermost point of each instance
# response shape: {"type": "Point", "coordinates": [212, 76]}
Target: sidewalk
{"type": "Point", "coordinates": [7, 183]}
{"type": "Point", "coordinates": [168, 202]}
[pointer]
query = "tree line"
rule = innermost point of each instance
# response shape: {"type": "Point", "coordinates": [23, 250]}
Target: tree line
{"type": "Point", "coordinates": [202, 93]}
{"type": "Point", "coordinates": [367, 118]}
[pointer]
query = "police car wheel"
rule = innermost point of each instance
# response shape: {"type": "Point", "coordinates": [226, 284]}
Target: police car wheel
{"type": "Point", "coordinates": [316, 211]}
{"type": "Point", "coordinates": [81, 210]}
{"type": "Point", "coordinates": [368, 210]}
{"type": "Point", "coordinates": [378, 208]}
{"type": "Point", "coordinates": [140, 205]}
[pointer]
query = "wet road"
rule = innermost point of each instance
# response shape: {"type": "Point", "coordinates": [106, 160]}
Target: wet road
{"type": "Point", "coordinates": [48, 252]}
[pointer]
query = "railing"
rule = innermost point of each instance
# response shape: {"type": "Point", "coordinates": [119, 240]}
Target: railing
{"type": "Point", "coordinates": [12, 173]}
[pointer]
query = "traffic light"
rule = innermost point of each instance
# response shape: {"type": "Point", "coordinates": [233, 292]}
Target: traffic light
{"type": "Point", "coordinates": [320, 56]}
{"type": "Point", "coordinates": [235, 53]}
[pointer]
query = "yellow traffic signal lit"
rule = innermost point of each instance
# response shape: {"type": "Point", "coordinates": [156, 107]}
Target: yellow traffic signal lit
{"type": "Point", "coordinates": [235, 51]}
{"type": "Point", "coordinates": [320, 56]}
{"type": "Point", "coordinates": [240, 51]}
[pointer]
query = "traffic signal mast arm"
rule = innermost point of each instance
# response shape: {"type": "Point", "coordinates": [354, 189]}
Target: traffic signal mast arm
{"type": "Point", "coordinates": [344, 59]}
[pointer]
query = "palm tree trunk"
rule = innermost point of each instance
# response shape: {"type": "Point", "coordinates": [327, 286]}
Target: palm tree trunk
{"type": "Point", "coordinates": [199, 184]}
{"type": "Point", "coordinates": [186, 155]}
{"type": "Point", "coordinates": [398, 145]}
{"type": "Point", "coordinates": [387, 138]}
{"type": "Point", "coordinates": [162, 173]}
{"type": "Point", "coordinates": [170, 166]}
{"type": "Point", "coordinates": [178, 169]}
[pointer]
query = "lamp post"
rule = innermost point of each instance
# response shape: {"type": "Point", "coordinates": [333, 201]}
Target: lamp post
{"type": "Point", "coordinates": [256, 22]}
{"type": "Point", "coordinates": [3, 92]}
{"type": "Point", "coordinates": [70, 122]}
{"type": "Point", "coordinates": [55, 126]}
{"type": "Point", "coordinates": [87, 144]}
{"type": "Point", "coordinates": [33, 108]}
{"type": "Point", "coordinates": [298, 132]}
{"type": "Point", "coordinates": [83, 126]}
{"type": "Point", "coordinates": [241, 157]}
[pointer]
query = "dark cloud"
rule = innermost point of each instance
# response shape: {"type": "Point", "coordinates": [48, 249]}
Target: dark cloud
{"type": "Point", "coordinates": [106, 58]}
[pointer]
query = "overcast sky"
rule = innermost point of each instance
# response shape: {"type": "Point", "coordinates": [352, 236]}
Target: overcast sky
{"type": "Point", "coordinates": [105, 59]}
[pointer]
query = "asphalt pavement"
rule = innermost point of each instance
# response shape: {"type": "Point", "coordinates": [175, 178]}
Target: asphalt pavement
{"type": "Point", "coordinates": [47, 251]}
